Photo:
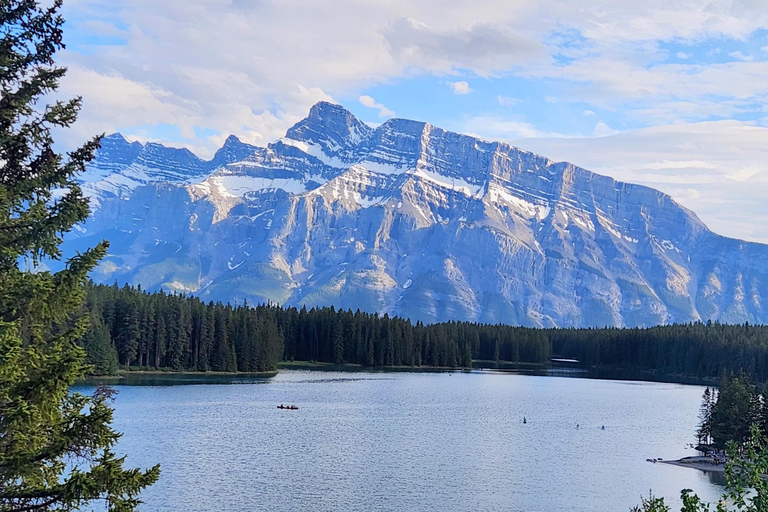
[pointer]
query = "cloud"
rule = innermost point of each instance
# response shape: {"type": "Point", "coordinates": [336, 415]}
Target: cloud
{"type": "Point", "coordinates": [143, 105]}
{"type": "Point", "coordinates": [683, 55]}
{"type": "Point", "coordinates": [208, 56]}
{"type": "Point", "coordinates": [460, 87]}
{"type": "Point", "coordinates": [588, 113]}
{"type": "Point", "coordinates": [508, 101]}
{"type": "Point", "coordinates": [603, 130]}
{"type": "Point", "coordinates": [369, 102]}
{"type": "Point", "coordinates": [740, 56]}
{"type": "Point", "coordinates": [499, 128]}
{"type": "Point", "coordinates": [645, 90]}
{"type": "Point", "coordinates": [485, 47]}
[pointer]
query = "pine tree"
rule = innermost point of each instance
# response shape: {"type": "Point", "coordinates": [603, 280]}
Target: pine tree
{"type": "Point", "coordinates": [100, 353]}
{"type": "Point", "coordinates": [127, 330]}
{"type": "Point", "coordinates": [704, 433]}
{"type": "Point", "coordinates": [161, 335]}
{"type": "Point", "coordinates": [732, 413]}
{"type": "Point", "coordinates": [338, 343]}
{"type": "Point", "coordinates": [55, 446]}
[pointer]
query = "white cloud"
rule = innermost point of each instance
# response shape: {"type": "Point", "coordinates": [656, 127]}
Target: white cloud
{"type": "Point", "coordinates": [481, 43]}
{"type": "Point", "coordinates": [740, 56]}
{"type": "Point", "coordinates": [212, 61]}
{"type": "Point", "coordinates": [683, 55]}
{"type": "Point", "coordinates": [588, 113]}
{"type": "Point", "coordinates": [498, 128]}
{"type": "Point", "coordinates": [612, 83]}
{"type": "Point", "coordinates": [460, 87]}
{"type": "Point", "coordinates": [603, 130]}
{"type": "Point", "coordinates": [508, 101]}
{"type": "Point", "coordinates": [369, 102]}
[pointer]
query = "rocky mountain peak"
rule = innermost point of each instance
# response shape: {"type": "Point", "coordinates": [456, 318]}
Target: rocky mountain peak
{"type": "Point", "coordinates": [330, 126]}
{"type": "Point", "coordinates": [233, 150]}
{"type": "Point", "coordinates": [413, 220]}
{"type": "Point", "coordinates": [116, 148]}
{"type": "Point", "coordinates": [177, 160]}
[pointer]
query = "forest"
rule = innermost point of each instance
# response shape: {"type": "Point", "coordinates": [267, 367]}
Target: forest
{"type": "Point", "coordinates": [731, 411]}
{"type": "Point", "coordinates": [131, 328]}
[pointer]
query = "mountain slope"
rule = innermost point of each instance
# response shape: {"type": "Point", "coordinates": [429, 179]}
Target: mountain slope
{"type": "Point", "coordinates": [413, 220]}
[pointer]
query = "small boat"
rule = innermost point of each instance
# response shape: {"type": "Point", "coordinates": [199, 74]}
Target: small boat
{"type": "Point", "coordinates": [288, 407]}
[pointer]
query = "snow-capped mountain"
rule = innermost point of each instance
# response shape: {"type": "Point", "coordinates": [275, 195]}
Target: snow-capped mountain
{"type": "Point", "coordinates": [412, 220]}
{"type": "Point", "coordinates": [121, 166]}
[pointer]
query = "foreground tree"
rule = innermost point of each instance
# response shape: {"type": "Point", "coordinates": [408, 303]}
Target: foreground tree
{"type": "Point", "coordinates": [704, 434]}
{"type": "Point", "coordinates": [734, 411]}
{"type": "Point", "coordinates": [55, 446]}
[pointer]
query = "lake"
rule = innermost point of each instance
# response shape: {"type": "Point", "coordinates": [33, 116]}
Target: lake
{"type": "Point", "coordinates": [368, 442]}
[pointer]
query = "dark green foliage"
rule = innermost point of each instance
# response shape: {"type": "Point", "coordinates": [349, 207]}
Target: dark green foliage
{"type": "Point", "coordinates": [55, 446]}
{"type": "Point", "coordinates": [746, 471]}
{"type": "Point", "coordinates": [732, 413]}
{"type": "Point", "coordinates": [338, 343]}
{"type": "Point", "coordinates": [652, 504]}
{"type": "Point", "coordinates": [697, 350]}
{"type": "Point", "coordinates": [704, 433]}
{"type": "Point", "coordinates": [182, 333]}
{"type": "Point", "coordinates": [691, 503]}
{"type": "Point", "coordinates": [101, 354]}
{"type": "Point", "coordinates": [736, 407]}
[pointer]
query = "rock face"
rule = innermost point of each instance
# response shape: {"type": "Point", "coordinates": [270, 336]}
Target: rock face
{"type": "Point", "coordinates": [412, 220]}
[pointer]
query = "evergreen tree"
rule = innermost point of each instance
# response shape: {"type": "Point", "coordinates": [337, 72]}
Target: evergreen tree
{"type": "Point", "coordinates": [127, 330]}
{"type": "Point", "coordinates": [704, 433]}
{"type": "Point", "coordinates": [338, 343]}
{"type": "Point", "coordinates": [55, 446]}
{"type": "Point", "coordinates": [733, 412]}
{"type": "Point", "coordinates": [100, 353]}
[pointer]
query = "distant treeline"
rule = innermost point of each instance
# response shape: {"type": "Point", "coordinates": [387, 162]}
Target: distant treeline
{"type": "Point", "coordinates": [132, 328]}
{"type": "Point", "coordinates": [700, 350]}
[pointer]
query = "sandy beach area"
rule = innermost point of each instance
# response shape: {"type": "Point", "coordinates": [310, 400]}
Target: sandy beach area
{"type": "Point", "coordinates": [700, 462]}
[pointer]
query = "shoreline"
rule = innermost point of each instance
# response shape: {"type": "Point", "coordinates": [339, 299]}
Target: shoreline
{"type": "Point", "coordinates": [700, 462]}
{"type": "Point", "coordinates": [501, 367]}
{"type": "Point", "coordinates": [122, 374]}
{"type": "Point", "coordinates": [353, 367]}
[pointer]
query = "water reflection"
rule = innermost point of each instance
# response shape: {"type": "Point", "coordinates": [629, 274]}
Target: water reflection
{"type": "Point", "coordinates": [410, 441]}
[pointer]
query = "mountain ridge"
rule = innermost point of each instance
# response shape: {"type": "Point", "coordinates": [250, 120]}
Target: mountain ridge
{"type": "Point", "coordinates": [410, 219]}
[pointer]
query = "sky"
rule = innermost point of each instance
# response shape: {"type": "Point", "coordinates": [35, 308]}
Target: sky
{"type": "Point", "coordinates": [671, 94]}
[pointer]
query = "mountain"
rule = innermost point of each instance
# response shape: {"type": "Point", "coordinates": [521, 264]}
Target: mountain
{"type": "Point", "coordinates": [413, 220]}
{"type": "Point", "coordinates": [121, 166]}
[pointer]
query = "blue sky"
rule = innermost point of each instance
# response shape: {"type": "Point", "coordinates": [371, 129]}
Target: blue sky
{"type": "Point", "coordinates": [670, 94]}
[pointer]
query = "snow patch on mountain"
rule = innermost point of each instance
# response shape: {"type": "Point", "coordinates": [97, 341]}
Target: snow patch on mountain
{"type": "Point", "coordinates": [410, 219]}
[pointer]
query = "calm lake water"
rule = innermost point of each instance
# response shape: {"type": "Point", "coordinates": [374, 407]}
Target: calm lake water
{"type": "Point", "coordinates": [365, 442]}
